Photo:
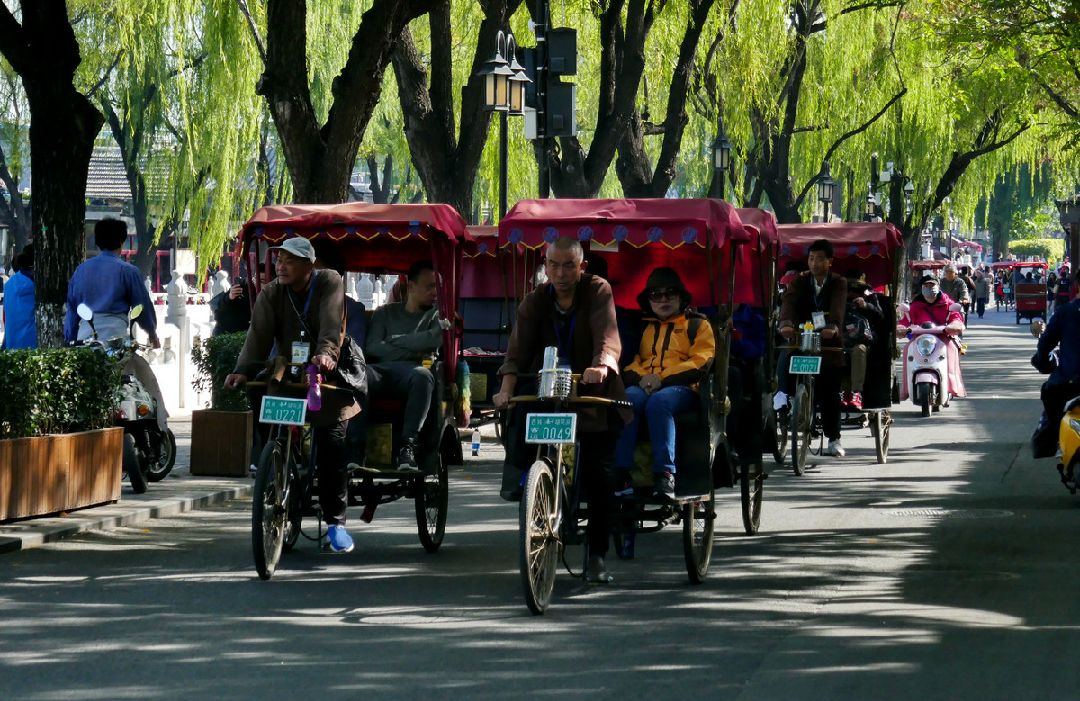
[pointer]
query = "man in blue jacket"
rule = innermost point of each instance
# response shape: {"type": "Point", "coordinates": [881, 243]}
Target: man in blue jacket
{"type": "Point", "coordinates": [19, 328]}
{"type": "Point", "coordinates": [110, 287]}
{"type": "Point", "coordinates": [1063, 333]}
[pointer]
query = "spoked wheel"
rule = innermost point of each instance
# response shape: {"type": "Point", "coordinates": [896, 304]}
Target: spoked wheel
{"type": "Point", "coordinates": [776, 434]}
{"type": "Point", "coordinates": [699, 521]}
{"type": "Point", "coordinates": [538, 536]}
{"type": "Point", "coordinates": [880, 423]}
{"type": "Point", "coordinates": [752, 484]}
{"type": "Point", "coordinates": [268, 510]}
{"type": "Point", "coordinates": [166, 458]}
{"type": "Point", "coordinates": [131, 465]}
{"type": "Point", "coordinates": [432, 496]}
{"type": "Point", "coordinates": [802, 421]}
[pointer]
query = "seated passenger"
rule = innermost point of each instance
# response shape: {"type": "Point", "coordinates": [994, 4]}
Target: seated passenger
{"type": "Point", "coordinates": [861, 316]}
{"type": "Point", "coordinates": [661, 382]}
{"type": "Point", "coordinates": [401, 337]}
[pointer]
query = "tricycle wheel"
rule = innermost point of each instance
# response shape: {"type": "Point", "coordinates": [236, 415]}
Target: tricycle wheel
{"type": "Point", "coordinates": [538, 540]}
{"type": "Point", "coordinates": [751, 484]}
{"type": "Point", "coordinates": [699, 520]}
{"type": "Point", "coordinates": [802, 420]}
{"type": "Point", "coordinates": [776, 433]}
{"type": "Point", "coordinates": [432, 498]}
{"type": "Point", "coordinates": [268, 520]}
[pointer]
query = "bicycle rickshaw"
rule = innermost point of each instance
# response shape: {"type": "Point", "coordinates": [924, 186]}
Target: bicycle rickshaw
{"type": "Point", "coordinates": [1002, 271]}
{"type": "Point", "coordinates": [871, 248]}
{"type": "Point", "coordinates": [1029, 290]}
{"type": "Point", "coordinates": [631, 237]}
{"type": "Point", "coordinates": [380, 239]}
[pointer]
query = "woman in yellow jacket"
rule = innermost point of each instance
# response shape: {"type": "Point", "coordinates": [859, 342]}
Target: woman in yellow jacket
{"type": "Point", "coordinates": [662, 381]}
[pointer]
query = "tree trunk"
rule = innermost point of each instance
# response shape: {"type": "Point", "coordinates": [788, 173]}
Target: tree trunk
{"type": "Point", "coordinates": [321, 159]}
{"type": "Point", "coordinates": [63, 125]}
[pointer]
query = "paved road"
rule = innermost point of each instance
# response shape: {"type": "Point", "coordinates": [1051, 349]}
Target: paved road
{"type": "Point", "coordinates": [947, 574]}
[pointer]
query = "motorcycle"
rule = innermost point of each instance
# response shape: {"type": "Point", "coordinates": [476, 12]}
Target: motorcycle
{"type": "Point", "coordinates": [149, 444]}
{"type": "Point", "coordinates": [927, 366]}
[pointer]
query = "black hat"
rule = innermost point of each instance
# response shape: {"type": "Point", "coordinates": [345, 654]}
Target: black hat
{"type": "Point", "coordinates": [661, 278]}
{"type": "Point", "coordinates": [929, 278]}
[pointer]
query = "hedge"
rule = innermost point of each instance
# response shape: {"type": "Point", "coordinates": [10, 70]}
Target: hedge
{"type": "Point", "coordinates": [1047, 249]}
{"type": "Point", "coordinates": [56, 390]}
{"type": "Point", "coordinates": [214, 359]}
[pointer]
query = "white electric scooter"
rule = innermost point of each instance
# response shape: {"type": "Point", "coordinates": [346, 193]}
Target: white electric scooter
{"type": "Point", "coordinates": [928, 365]}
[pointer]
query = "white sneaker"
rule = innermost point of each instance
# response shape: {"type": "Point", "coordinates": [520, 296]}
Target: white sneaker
{"type": "Point", "coordinates": [779, 401]}
{"type": "Point", "coordinates": [835, 449]}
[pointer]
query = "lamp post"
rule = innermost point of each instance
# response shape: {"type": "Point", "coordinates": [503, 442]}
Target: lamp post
{"type": "Point", "coordinates": [825, 188]}
{"type": "Point", "coordinates": [504, 92]}
{"type": "Point", "coordinates": [871, 204]}
{"type": "Point", "coordinates": [721, 157]}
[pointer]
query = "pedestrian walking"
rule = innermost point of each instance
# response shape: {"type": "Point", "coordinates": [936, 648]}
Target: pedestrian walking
{"type": "Point", "coordinates": [982, 293]}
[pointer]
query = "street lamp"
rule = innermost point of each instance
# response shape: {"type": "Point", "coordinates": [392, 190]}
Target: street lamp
{"type": "Point", "coordinates": [871, 204]}
{"type": "Point", "coordinates": [825, 188]}
{"type": "Point", "coordinates": [504, 92]}
{"type": "Point", "coordinates": [721, 153]}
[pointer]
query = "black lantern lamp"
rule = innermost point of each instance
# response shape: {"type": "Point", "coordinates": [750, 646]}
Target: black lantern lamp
{"type": "Point", "coordinates": [826, 186]}
{"type": "Point", "coordinates": [518, 80]}
{"type": "Point", "coordinates": [497, 73]}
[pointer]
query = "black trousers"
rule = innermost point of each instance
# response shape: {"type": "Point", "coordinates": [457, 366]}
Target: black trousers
{"type": "Point", "coordinates": [330, 460]}
{"type": "Point", "coordinates": [596, 463]}
{"type": "Point", "coordinates": [404, 380]}
{"type": "Point", "coordinates": [826, 398]}
{"type": "Point", "coordinates": [1054, 398]}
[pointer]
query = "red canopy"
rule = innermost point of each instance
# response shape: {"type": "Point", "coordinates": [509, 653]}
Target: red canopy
{"type": "Point", "coordinates": [927, 264]}
{"type": "Point", "coordinates": [868, 246]}
{"type": "Point", "coordinates": [755, 267]}
{"type": "Point", "coordinates": [377, 238]}
{"type": "Point", "coordinates": [632, 237]}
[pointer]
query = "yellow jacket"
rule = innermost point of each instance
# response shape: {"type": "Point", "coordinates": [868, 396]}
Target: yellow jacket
{"type": "Point", "coordinates": [666, 351]}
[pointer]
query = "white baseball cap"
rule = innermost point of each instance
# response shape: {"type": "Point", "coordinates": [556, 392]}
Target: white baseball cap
{"type": "Point", "coordinates": [298, 246]}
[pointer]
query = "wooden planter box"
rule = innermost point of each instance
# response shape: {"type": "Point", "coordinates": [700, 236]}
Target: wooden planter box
{"type": "Point", "coordinates": [221, 442]}
{"type": "Point", "coordinates": [50, 474]}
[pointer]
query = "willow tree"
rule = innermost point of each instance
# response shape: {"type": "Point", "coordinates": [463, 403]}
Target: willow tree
{"type": "Point", "coordinates": [43, 50]}
{"type": "Point", "coordinates": [320, 153]}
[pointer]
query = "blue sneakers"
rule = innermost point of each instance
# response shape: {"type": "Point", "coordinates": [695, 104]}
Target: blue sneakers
{"type": "Point", "coordinates": [340, 540]}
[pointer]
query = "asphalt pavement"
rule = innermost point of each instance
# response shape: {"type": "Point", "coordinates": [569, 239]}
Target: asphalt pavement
{"type": "Point", "coordinates": [945, 574]}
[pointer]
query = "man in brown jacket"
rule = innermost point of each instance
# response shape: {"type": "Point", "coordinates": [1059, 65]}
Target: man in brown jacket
{"type": "Point", "coordinates": [302, 312]}
{"type": "Point", "coordinates": [820, 297]}
{"type": "Point", "coordinates": [574, 312]}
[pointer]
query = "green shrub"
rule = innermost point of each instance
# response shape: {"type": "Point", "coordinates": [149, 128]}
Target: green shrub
{"type": "Point", "coordinates": [56, 390]}
{"type": "Point", "coordinates": [1046, 249]}
{"type": "Point", "coordinates": [214, 359]}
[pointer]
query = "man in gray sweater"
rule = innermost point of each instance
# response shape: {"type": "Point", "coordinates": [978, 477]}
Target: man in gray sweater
{"type": "Point", "coordinates": [401, 337]}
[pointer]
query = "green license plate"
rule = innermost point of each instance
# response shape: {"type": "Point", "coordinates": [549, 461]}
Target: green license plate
{"type": "Point", "coordinates": [283, 410]}
{"type": "Point", "coordinates": [550, 429]}
{"type": "Point", "coordinates": [805, 365]}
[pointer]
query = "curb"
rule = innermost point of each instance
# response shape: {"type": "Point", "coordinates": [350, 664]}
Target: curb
{"type": "Point", "coordinates": [34, 533]}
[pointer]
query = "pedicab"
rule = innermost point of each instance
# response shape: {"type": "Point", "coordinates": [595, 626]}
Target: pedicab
{"type": "Point", "coordinates": [378, 239]}
{"type": "Point", "coordinates": [871, 248]}
{"type": "Point", "coordinates": [630, 238]}
{"type": "Point", "coordinates": [1029, 290]}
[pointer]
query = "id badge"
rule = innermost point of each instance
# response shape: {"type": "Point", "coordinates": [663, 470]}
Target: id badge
{"type": "Point", "coordinates": [819, 320]}
{"type": "Point", "coordinates": [300, 352]}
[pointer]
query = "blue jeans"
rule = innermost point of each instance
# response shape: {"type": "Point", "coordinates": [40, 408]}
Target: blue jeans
{"type": "Point", "coordinates": [659, 410]}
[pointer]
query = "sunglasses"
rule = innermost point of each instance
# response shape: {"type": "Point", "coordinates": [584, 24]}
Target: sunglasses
{"type": "Point", "coordinates": [662, 294]}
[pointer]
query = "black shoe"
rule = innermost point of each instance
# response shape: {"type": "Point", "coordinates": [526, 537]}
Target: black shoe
{"type": "Point", "coordinates": [596, 571]}
{"type": "Point", "coordinates": [664, 485]}
{"type": "Point", "coordinates": [406, 460]}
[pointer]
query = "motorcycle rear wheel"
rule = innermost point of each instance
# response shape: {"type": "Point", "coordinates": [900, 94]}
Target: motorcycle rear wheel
{"type": "Point", "coordinates": [166, 458]}
{"type": "Point", "coordinates": [131, 465]}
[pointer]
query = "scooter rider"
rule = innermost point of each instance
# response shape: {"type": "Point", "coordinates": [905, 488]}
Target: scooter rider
{"type": "Point", "coordinates": [933, 307]}
{"type": "Point", "coordinates": [1062, 333]}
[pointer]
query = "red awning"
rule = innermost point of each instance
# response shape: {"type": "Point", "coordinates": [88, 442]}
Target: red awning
{"type": "Point", "coordinates": [868, 246]}
{"type": "Point", "coordinates": [673, 223]}
{"type": "Point", "coordinates": [310, 220]}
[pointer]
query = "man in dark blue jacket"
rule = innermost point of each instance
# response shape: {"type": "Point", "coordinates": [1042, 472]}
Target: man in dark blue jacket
{"type": "Point", "coordinates": [1063, 333]}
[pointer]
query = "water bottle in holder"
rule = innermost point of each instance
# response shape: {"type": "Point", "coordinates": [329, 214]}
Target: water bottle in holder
{"type": "Point", "coordinates": [314, 395]}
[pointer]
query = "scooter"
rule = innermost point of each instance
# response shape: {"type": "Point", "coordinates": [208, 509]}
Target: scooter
{"type": "Point", "coordinates": [149, 444]}
{"type": "Point", "coordinates": [1069, 445]}
{"type": "Point", "coordinates": [928, 366]}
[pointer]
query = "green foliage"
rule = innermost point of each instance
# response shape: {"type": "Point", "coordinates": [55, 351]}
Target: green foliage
{"type": "Point", "coordinates": [59, 390]}
{"type": "Point", "coordinates": [1045, 249]}
{"type": "Point", "coordinates": [214, 359]}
